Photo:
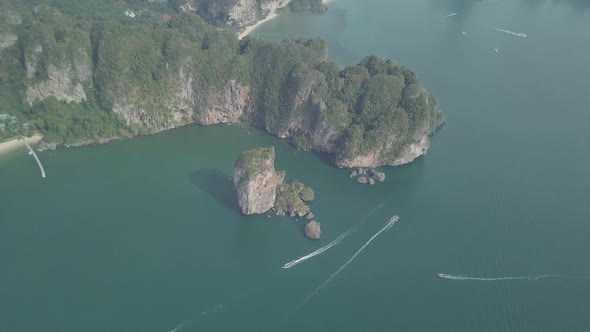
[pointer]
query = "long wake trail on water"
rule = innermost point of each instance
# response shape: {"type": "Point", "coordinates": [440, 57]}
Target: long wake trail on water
{"type": "Point", "coordinates": [518, 34]}
{"type": "Point", "coordinates": [333, 243]}
{"type": "Point", "coordinates": [182, 326]}
{"type": "Point", "coordinates": [317, 252]}
{"type": "Point", "coordinates": [211, 311]}
{"type": "Point", "coordinates": [389, 224]}
{"type": "Point", "coordinates": [544, 276]}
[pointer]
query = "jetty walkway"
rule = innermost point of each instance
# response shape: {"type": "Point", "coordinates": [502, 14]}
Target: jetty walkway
{"type": "Point", "coordinates": [37, 159]}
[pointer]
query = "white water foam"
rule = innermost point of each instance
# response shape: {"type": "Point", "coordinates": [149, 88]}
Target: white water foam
{"type": "Point", "coordinates": [182, 326]}
{"type": "Point", "coordinates": [453, 14]}
{"type": "Point", "coordinates": [545, 276]}
{"type": "Point", "coordinates": [333, 243]}
{"type": "Point", "coordinates": [212, 311]}
{"type": "Point", "coordinates": [317, 252]}
{"type": "Point", "coordinates": [389, 224]}
{"type": "Point", "coordinates": [518, 34]}
{"type": "Point", "coordinates": [196, 317]}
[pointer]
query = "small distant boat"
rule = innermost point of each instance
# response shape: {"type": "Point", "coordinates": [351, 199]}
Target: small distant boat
{"type": "Point", "coordinates": [496, 50]}
{"type": "Point", "coordinates": [453, 14]}
{"type": "Point", "coordinates": [441, 275]}
{"type": "Point", "coordinates": [463, 33]}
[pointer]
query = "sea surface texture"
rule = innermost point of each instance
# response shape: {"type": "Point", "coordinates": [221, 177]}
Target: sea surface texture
{"type": "Point", "coordinates": [145, 235]}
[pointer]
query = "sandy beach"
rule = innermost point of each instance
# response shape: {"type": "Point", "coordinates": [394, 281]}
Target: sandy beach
{"type": "Point", "coordinates": [16, 144]}
{"type": "Point", "coordinates": [268, 18]}
{"type": "Point", "coordinates": [259, 23]}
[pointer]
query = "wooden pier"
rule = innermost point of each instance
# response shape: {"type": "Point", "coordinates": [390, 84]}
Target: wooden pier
{"type": "Point", "coordinates": [36, 158]}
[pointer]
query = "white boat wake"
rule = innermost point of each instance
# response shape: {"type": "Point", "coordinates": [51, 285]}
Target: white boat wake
{"type": "Point", "coordinates": [389, 224]}
{"type": "Point", "coordinates": [317, 252]}
{"type": "Point", "coordinates": [453, 14]}
{"type": "Point", "coordinates": [182, 326]}
{"type": "Point", "coordinates": [518, 34]}
{"type": "Point", "coordinates": [212, 311]}
{"type": "Point", "coordinates": [196, 317]}
{"type": "Point", "coordinates": [190, 322]}
{"type": "Point", "coordinates": [333, 243]}
{"type": "Point", "coordinates": [545, 276]}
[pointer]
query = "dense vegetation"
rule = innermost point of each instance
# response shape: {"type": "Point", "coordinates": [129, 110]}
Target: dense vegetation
{"type": "Point", "coordinates": [72, 123]}
{"type": "Point", "coordinates": [255, 161]}
{"type": "Point", "coordinates": [139, 63]}
{"type": "Point", "coordinates": [292, 198]}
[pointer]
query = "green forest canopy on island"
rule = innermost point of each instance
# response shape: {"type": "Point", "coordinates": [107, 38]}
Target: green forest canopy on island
{"type": "Point", "coordinates": [138, 53]}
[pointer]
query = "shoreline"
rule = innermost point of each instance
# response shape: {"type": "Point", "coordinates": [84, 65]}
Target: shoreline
{"type": "Point", "coordinates": [15, 144]}
{"type": "Point", "coordinates": [270, 16]}
{"type": "Point", "coordinates": [251, 28]}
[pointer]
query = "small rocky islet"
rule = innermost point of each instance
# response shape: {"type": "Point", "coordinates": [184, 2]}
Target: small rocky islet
{"type": "Point", "coordinates": [367, 176]}
{"type": "Point", "coordinates": [261, 188]}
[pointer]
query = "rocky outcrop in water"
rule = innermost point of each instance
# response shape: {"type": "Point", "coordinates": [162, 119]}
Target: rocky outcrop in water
{"type": "Point", "coordinates": [292, 198]}
{"type": "Point", "coordinates": [369, 176]}
{"type": "Point", "coordinates": [256, 180]}
{"type": "Point", "coordinates": [46, 146]}
{"type": "Point", "coordinates": [378, 176]}
{"type": "Point", "coordinates": [313, 230]}
{"type": "Point", "coordinates": [260, 188]}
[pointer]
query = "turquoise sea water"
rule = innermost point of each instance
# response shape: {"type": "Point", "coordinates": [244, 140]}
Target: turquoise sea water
{"type": "Point", "coordinates": [144, 235]}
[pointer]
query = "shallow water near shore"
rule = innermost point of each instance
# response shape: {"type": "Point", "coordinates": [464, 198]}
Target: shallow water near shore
{"type": "Point", "coordinates": [145, 234]}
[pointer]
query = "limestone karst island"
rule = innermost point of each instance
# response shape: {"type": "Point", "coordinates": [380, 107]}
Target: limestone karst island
{"type": "Point", "coordinates": [261, 188]}
{"type": "Point", "coordinates": [282, 165]}
{"type": "Point", "coordinates": [114, 72]}
{"type": "Point", "coordinates": [101, 75]}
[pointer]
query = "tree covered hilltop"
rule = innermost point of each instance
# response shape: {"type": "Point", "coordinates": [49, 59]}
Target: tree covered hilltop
{"type": "Point", "coordinates": [83, 78]}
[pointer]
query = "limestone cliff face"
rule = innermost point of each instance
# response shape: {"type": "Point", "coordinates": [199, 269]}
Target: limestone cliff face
{"type": "Point", "coordinates": [315, 118]}
{"type": "Point", "coordinates": [304, 93]}
{"type": "Point", "coordinates": [325, 134]}
{"type": "Point", "coordinates": [398, 149]}
{"type": "Point", "coordinates": [224, 106]}
{"type": "Point", "coordinates": [256, 180]}
{"type": "Point", "coordinates": [6, 40]}
{"type": "Point", "coordinates": [8, 19]}
{"type": "Point", "coordinates": [189, 102]}
{"type": "Point", "coordinates": [190, 6]}
{"type": "Point", "coordinates": [395, 151]}
{"type": "Point", "coordinates": [139, 116]}
{"type": "Point", "coordinates": [236, 13]}
{"type": "Point", "coordinates": [380, 157]}
{"type": "Point", "coordinates": [63, 80]}
{"type": "Point", "coordinates": [272, 6]}
{"type": "Point", "coordinates": [407, 142]}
